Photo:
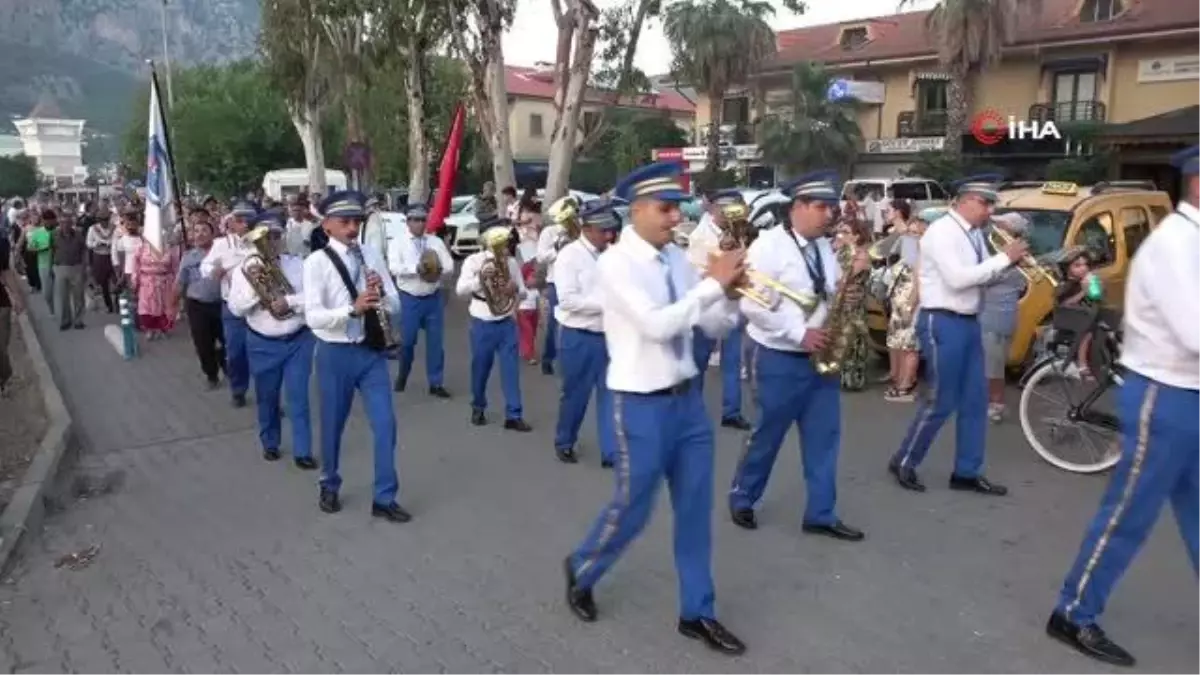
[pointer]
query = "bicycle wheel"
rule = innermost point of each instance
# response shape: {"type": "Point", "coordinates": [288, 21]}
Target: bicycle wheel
{"type": "Point", "coordinates": [1048, 402]}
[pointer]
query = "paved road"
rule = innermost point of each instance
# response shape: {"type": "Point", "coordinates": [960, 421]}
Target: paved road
{"type": "Point", "coordinates": [214, 560]}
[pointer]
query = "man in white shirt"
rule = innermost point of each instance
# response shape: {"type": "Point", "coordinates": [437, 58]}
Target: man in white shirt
{"type": "Point", "coordinates": [493, 337]}
{"type": "Point", "coordinates": [789, 390]}
{"type": "Point", "coordinates": [345, 286]}
{"type": "Point", "coordinates": [651, 299]}
{"type": "Point", "coordinates": [953, 268]}
{"type": "Point", "coordinates": [225, 255]}
{"type": "Point", "coordinates": [584, 355]}
{"type": "Point", "coordinates": [704, 239]}
{"type": "Point", "coordinates": [551, 240]}
{"type": "Point", "coordinates": [1160, 431]}
{"type": "Point", "coordinates": [278, 343]}
{"type": "Point", "coordinates": [422, 304]}
{"type": "Point", "coordinates": [299, 226]}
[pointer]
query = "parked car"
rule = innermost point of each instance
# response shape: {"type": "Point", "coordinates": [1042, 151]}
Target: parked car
{"type": "Point", "coordinates": [922, 192]}
{"type": "Point", "coordinates": [462, 227]}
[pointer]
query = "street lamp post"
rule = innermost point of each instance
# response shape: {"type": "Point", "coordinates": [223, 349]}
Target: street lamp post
{"type": "Point", "coordinates": [167, 54]}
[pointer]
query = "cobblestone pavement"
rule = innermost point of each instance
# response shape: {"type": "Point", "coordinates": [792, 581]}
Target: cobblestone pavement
{"type": "Point", "coordinates": [213, 560]}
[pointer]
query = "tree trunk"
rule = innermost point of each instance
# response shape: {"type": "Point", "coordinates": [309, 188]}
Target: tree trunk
{"type": "Point", "coordinates": [958, 102]}
{"type": "Point", "coordinates": [564, 142]}
{"type": "Point", "coordinates": [307, 120]}
{"type": "Point", "coordinates": [497, 93]}
{"type": "Point", "coordinates": [715, 100]}
{"type": "Point", "coordinates": [418, 147]}
{"type": "Point", "coordinates": [352, 106]}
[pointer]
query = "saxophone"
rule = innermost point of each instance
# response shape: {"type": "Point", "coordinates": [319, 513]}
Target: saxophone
{"type": "Point", "coordinates": [267, 277]}
{"type": "Point", "coordinates": [495, 282]}
{"type": "Point", "coordinates": [844, 322]}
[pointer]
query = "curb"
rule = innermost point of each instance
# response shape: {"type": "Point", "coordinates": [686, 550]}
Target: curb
{"type": "Point", "coordinates": [27, 508]}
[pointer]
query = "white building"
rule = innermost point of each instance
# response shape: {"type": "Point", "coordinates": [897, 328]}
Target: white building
{"type": "Point", "coordinates": [55, 143]}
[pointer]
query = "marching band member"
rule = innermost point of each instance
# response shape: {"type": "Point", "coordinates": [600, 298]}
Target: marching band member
{"type": "Point", "coordinates": [344, 287]}
{"type": "Point", "coordinates": [552, 239]}
{"type": "Point", "coordinates": [584, 355]}
{"type": "Point", "coordinates": [493, 336]}
{"type": "Point", "coordinates": [651, 299]}
{"type": "Point", "coordinates": [704, 239]}
{"type": "Point", "coordinates": [224, 257]}
{"type": "Point", "coordinates": [422, 304]}
{"type": "Point", "coordinates": [788, 390]}
{"type": "Point", "coordinates": [278, 343]}
{"type": "Point", "coordinates": [1157, 408]}
{"type": "Point", "coordinates": [952, 270]}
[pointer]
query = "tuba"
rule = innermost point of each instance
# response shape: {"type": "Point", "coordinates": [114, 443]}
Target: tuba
{"type": "Point", "coordinates": [495, 280]}
{"type": "Point", "coordinates": [843, 323]}
{"type": "Point", "coordinates": [565, 212]}
{"type": "Point", "coordinates": [429, 267]}
{"type": "Point", "coordinates": [267, 277]}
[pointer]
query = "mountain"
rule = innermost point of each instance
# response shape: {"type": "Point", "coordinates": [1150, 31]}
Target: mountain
{"type": "Point", "coordinates": [89, 55]}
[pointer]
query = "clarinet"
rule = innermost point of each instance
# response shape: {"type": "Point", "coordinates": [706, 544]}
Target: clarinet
{"type": "Point", "coordinates": [377, 327]}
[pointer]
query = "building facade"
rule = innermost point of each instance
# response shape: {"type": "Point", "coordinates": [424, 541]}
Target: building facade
{"type": "Point", "coordinates": [1115, 66]}
{"type": "Point", "coordinates": [55, 143]}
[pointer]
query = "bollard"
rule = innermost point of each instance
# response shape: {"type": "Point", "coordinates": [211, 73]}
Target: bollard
{"type": "Point", "coordinates": [130, 339]}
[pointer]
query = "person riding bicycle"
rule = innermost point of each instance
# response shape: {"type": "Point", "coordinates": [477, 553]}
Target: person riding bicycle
{"type": "Point", "coordinates": [1080, 288]}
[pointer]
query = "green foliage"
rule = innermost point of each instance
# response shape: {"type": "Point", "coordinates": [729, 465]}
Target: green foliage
{"type": "Point", "coordinates": [945, 167]}
{"type": "Point", "coordinates": [18, 176]}
{"type": "Point", "coordinates": [1079, 170]}
{"type": "Point", "coordinates": [815, 133]}
{"type": "Point", "coordinates": [625, 144]}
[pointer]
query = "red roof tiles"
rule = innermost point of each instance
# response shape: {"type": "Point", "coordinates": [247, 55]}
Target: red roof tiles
{"type": "Point", "coordinates": [539, 83]}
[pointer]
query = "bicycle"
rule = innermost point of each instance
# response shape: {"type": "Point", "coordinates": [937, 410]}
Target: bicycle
{"type": "Point", "coordinates": [1087, 415]}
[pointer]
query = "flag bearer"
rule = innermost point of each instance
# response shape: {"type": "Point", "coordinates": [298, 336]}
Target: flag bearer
{"type": "Point", "coordinates": [422, 303]}
{"type": "Point", "coordinates": [224, 257]}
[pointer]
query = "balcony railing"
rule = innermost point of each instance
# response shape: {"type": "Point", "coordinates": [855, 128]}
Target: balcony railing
{"type": "Point", "coordinates": [731, 134]}
{"type": "Point", "coordinates": [1067, 111]}
{"type": "Point", "coordinates": [912, 124]}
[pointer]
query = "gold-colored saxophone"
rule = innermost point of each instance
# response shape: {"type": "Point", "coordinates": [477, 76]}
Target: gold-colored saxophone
{"type": "Point", "coordinates": [844, 322]}
{"type": "Point", "coordinates": [267, 277]}
{"type": "Point", "coordinates": [495, 281]}
{"type": "Point", "coordinates": [429, 267]}
{"type": "Point", "coordinates": [565, 212]}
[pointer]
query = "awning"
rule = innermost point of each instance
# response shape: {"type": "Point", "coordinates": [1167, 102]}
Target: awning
{"type": "Point", "coordinates": [1097, 63]}
{"type": "Point", "coordinates": [1176, 125]}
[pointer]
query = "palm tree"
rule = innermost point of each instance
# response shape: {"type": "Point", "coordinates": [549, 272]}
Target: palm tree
{"type": "Point", "coordinates": [716, 44]}
{"type": "Point", "coordinates": [813, 131]}
{"type": "Point", "coordinates": [970, 35]}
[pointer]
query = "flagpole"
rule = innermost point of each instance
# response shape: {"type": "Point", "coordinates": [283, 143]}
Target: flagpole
{"type": "Point", "coordinates": [176, 195]}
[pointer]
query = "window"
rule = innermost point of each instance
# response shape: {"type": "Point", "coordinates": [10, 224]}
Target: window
{"type": "Point", "coordinates": [1074, 96]}
{"type": "Point", "coordinates": [1047, 229]}
{"type": "Point", "coordinates": [916, 192]}
{"type": "Point", "coordinates": [591, 119]}
{"type": "Point", "coordinates": [535, 125]}
{"type": "Point", "coordinates": [936, 192]}
{"type": "Point", "coordinates": [854, 37]}
{"type": "Point", "coordinates": [1136, 228]}
{"type": "Point", "coordinates": [735, 110]}
{"type": "Point", "coordinates": [1096, 235]}
{"type": "Point", "coordinates": [931, 95]}
{"type": "Point", "coordinates": [1157, 213]}
{"type": "Point", "coordinates": [1099, 10]}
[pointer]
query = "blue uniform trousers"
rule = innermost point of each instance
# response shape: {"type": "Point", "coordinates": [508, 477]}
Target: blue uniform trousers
{"type": "Point", "coordinates": [276, 364]}
{"type": "Point", "coordinates": [731, 367]}
{"type": "Point", "coordinates": [491, 341]}
{"type": "Point", "coordinates": [584, 364]}
{"type": "Point", "coordinates": [342, 368]}
{"type": "Point", "coordinates": [659, 436]}
{"type": "Point", "coordinates": [788, 390]}
{"type": "Point", "coordinates": [952, 347]}
{"type": "Point", "coordinates": [237, 362]}
{"type": "Point", "coordinates": [423, 313]}
{"type": "Point", "coordinates": [550, 339]}
{"type": "Point", "coordinates": [1159, 435]}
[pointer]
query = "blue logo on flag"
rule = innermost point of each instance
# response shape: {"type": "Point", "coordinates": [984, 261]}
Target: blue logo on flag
{"type": "Point", "coordinates": [156, 172]}
{"type": "Point", "coordinates": [838, 89]}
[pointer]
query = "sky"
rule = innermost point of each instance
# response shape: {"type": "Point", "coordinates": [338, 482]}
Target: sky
{"type": "Point", "coordinates": [532, 37]}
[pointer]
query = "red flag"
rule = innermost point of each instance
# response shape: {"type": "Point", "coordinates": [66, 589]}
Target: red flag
{"type": "Point", "coordinates": [447, 172]}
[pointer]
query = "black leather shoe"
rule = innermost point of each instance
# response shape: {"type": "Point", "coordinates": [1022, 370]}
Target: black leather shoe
{"type": "Point", "coordinates": [439, 392]}
{"type": "Point", "coordinates": [306, 463]}
{"type": "Point", "coordinates": [736, 422]}
{"type": "Point", "coordinates": [79, 325]}
{"type": "Point", "coordinates": [713, 634]}
{"type": "Point", "coordinates": [329, 501]}
{"type": "Point", "coordinates": [547, 367]}
{"type": "Point", "coordinates": [977, 484]}
{"type": "Point", "coordinates": [837, 530]}
{"type": "Point", "coordinates": [517, 425]}
{"type": "Point", "coordinates": [744, 518]}
{"type": "Point", "coordinates": [239, 400]}
{"type": "Point", "coordinates": [1089, 640]}
{"type": "Point", "coordinates": [606, 464]}
{"type": "Point", "coordinates": [566, 455]}
{"type": "Point", "coordinates": [906, 478]}
{"type": "Point", "coordinates": [399, 384]}
{"type": "Point", "coordinates": [271, 454]}
{"type": "Point", "coordinates": [390, 512]}
{"type": "Point", "coordinates": [478, 418]}
{"type": "Point", "coordinates": [580, 600]}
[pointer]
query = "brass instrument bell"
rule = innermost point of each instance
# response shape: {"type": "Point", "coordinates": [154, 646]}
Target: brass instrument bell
{"type": "Point", "coordinates": [1028, 266]}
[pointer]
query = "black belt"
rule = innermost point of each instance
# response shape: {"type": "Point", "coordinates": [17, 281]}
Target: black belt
{"type": "Point", "coordinates": [948, 312]}
{"type": "Point", "coordinates": [277, 338]}
{"type": "Point", "coordinates": [211, 303]}
{"type": "Point", "coordinates": [673, 390]}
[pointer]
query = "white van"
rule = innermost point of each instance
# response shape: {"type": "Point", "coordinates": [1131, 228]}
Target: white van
{"type": "Point", "coordinates": [923, 192]}
{"type": "Point", "coordinates": [281, 183]}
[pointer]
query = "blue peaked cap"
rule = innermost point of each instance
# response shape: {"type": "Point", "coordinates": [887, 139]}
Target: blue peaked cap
{"type": "Point", "coordinates": [985, 185]}
{"type": "Point", "coordinates": [244, 209]}
{"type": "Point", "coordinates": [1187, 160]}
{"type": "Point", "coordinates": [272, 218]}
{"type": "Point", "coordinates": [600, 216]}
{"type": "Point", "coordinates": [729, 196]}
{"type": "Point", "coordinates": [343, 204]}
{"type": "Point", "coordinates": [820, 186]}
{"type": "Point", "coordinates": [654, 181]}
{"type": "Point", "coordinates": [417, 212]}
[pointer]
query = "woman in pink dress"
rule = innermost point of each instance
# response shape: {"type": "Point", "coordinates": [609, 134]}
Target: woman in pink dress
{"type": "Point", "coordinates": [153, 275]}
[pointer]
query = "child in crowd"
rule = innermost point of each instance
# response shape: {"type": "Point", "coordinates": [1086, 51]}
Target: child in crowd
{"type": "Point", "coordinates": [1079, 288]}
{"type": "Point", "coordinates": [527, 315]}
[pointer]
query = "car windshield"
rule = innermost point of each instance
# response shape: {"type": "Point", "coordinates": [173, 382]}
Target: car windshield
{"type": "Point", "coordinates": [1047, 228]}
{"type": "Point", "coordinates": [461, 204]}
{"type": "Point", "coordinates": [917, 192]}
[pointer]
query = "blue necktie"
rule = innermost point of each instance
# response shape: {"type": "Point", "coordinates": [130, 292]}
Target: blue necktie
{"type": "Point", "coordinates": [354, 265]}
{"type": "Point", "coordinates": [976, 238]}
{"type": "Point", "coordinates": [677, 342]}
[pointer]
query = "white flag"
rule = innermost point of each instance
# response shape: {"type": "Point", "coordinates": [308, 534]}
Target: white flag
{"type": "Point", "coordinates": [160, 212]}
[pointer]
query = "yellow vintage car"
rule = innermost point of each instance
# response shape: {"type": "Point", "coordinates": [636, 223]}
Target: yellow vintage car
{"type": "Point", "coordinates": [1111, 219]}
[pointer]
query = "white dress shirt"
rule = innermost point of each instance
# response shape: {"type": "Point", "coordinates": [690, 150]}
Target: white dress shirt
{"type": "Point", "coordinates": [547, 248]}
{"type": "Point", "coordinates": [777, 255]}
{"type": "Point", "coordinates": [642, 326]}
{"type": "Point", "coordinates": [296, 236]}
{"type": "Point", "coordinates": [245, 302]}
{"type": "Point", "coordinates": [1162, 301]}
{"type": "Point", "coordinates": [227, 252]}
{"type": "Point", "coordinates": [705, 239]}
{"type": "Point", "coordinates": [468, 285]}
{"type": "Point", "coordinates": [404, 254]}
{"type": "Point", "coordinates": [578, 294]}
{"type": "Point", "coordinates": [327, 303]}
{"type": "Point", "coordinates": [950, 271]}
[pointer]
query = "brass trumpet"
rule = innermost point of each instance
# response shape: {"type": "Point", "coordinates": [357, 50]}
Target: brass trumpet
{"type": "Point", "coordinates": [1028, 266]}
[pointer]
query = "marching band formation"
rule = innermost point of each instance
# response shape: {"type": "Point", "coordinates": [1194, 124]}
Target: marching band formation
{"type": "Point", "coordinates": [634, 320]}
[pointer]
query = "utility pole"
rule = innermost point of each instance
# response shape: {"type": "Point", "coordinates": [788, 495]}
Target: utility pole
{"type": "Point", "coordinates": [167, 54]}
